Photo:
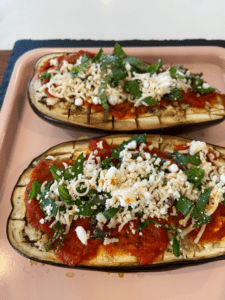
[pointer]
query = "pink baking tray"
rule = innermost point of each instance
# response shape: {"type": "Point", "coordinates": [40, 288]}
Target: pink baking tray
{"type": "Point", "coordinates": [23, 136]}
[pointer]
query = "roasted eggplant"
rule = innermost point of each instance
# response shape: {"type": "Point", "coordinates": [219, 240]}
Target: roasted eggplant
{"type": "Point", "coordinates": [120, 92]}
{"type": "Point", "coordinates": [185, 215]}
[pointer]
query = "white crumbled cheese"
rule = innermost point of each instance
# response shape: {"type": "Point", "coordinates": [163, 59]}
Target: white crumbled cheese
{"type": "Point", "coordinates": [108, 241]}
{"type": "Point", "coordinates": [96, 100]}
{"type": "Point", "coordinates": [82, 234]}
{"type": "Point", "coordinates": [78, 102]}
{"type": "Point", "coordinates": [42, 221]}
{"type": "Point", "coordinates": [100, 145]}
{"type": "Point", "coordinates": [54, 62]}
{"type": "Point", "coordinates": [113, 99]}
{"type": "Point", "coordinates": [173, 168]}
{"type": "Point", "coordinates": [131, 145]}
{"type": "Point", "coordinates": [196, 146]}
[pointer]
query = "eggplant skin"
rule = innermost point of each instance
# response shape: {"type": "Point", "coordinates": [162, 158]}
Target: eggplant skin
{"type": "Point", "coordinates": [171, 116]}
{"type": "Point", "coordinates": [27, 240]}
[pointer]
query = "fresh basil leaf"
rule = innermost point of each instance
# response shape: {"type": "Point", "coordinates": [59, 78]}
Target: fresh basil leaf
{"type": "Point", "coordinates": [150, 101]}
{"type": "Point", "coordinates": [174, 94]}
{"type": "Point", "coordinates": [133, 88]}
{"type": "Point", "coordinates": [110, 213]}
{"type": "Point", "coordinates": [182, 160]}
{"type": "Point", "coordinates": [45, 75]}
{"type": "Point", "coordinates": [103, 97]}
{"type": "Point", "coordinates": [35, 189]}
{"type": "Point", "coordinates": [85, 210]}
{"type": "Point", "coordinates": [174, 74]}
{"type": "Point", "coordinates": [144, 224]}
{"type": "Point", "coordinates": [55, 172]}
{"type": "Point", "coordinates": [98, 56]}
{"type": "Point", "coordinates": [99, 234]}
{"type": "Point", "coordinates": [198, 85]}
{"type": "Point", "coordinates": [139, 139]}
{"type": "Point", "coordinates": [85, 61]}
{"type": "Point", "coordinates": [198, 212]}
{"type": "Point", "coordinates": [139, 214]}
{"type": "Point", "coordinates": [176, 246]}
{"type": "Point", "coordinates": [59, 234]}
{"type": "Point", "coordinates": [135, 62]}
{"type": "Point", "coordinates": [107, 163]}
{"type": "Point", "coordinates": [184, 205]}
{"type": "Point", "coordinates": [194, 159]}
{"type": "Point", "coordinates": [78, 167]}
{"type": "Point", "coordinates": [134, 156]}
{"type": "Point", "coordinates": [64, 194]}
{"type": "Point", "coordinates": [118, 74]}
{"type": "Point", "coordinates": [45, 200]}
{"type": "Point", "coordinates": [118, 51]}
{"type": "Point", "coordinates": [154, 68]}
{"type": "Point", "coordinates": [195, 176]}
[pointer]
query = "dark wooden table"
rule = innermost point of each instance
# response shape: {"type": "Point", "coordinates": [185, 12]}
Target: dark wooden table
{"type": "Point", "coordinates": [4, 57]}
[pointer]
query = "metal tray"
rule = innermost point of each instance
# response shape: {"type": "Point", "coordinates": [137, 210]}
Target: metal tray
{"type": "Point", "coordinates": [23, 136]}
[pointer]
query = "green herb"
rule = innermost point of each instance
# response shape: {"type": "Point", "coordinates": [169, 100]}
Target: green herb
{"type": "Point", "coordinates": [195, 176]}
{"type": "Point", "coordinates": [98, 56]}
{"type": "Point", "coordinates": [45, 200]}
{"type": "Point", "coordinates": [35, 189]}
{"type": "Point", "coordinates": [59, 234]}
{"type": "Point", "coordinates": [175, 246]}
{"type": "Point", "coordinates": [152, 69]}
{"type": "Point", "coordinates": [198, 85]}
{"type": "Point", "coordinates": [136, 155]}
{"type": "Point", "coordinates": [99, 234]}
{"type": "Point", "coordinates": [85, 61]}
{"type": "Point", "coordinates": [184, 205]}
{"type": "Point", "coordinates": [107, 163]}
{"type": "Point", "coordinates": [118, 51]}
{"type": "Point", "coordinates": [150, 101]}
{"type": "Point", "coordinates": [135, 62]}
{"type": "Point", "coordinates": [64, 194]}
{"type": "Point", "coordinates": [139, 214]}
{"type": "Point", "coordinates": [182, 160]}
{"type": "Point", "coordinates": [55, 172]}
{"type": "Point", "coordinates": [45, 75]}
{"type": "Point", "coordinates": [174, 74]}
{"type": "Point", "coordinates": [139, 139]}
{"type": "Point", "coordinates": [174, 94]}
{"type": "Point", "coordinates": [85, 210]}
{"type": "Point", "coordinates": [133, 88]}
{"type": "Point", "coordinates": [110, 213]}
{"type": "Point", "coordinates": [198, 212]}
{"type": "Point", "coordinates": [103, 97]}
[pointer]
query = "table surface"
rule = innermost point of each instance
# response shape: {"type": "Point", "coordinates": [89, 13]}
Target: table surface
{"type": "Point", "coordinates": [4, 58]}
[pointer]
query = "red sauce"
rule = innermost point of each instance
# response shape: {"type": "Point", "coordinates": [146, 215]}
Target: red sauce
{"type": "Point", "coordinates": [147, 247]}
{"type": "Point", "coordinates": [215, 230]}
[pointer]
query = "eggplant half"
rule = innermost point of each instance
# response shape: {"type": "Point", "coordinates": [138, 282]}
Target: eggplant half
{"type": "Point", "coordinates": [69, 112]}
{"type": "Point", "coordinates": [28, 241]}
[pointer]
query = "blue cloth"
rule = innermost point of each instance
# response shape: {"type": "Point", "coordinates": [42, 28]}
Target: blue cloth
{"type": "Point", "coordinates": [22, 46]}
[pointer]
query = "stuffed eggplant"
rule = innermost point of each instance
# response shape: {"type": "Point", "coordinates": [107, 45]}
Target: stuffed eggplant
{"type": "Point", "coordinates": [122, 203]}
{"type": "Point", "coordinates": [120, 92]}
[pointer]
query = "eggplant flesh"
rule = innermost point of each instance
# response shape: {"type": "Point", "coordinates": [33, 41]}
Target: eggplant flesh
{"type": "Point", "coordinates": [60, 111]}
{"type": "Point", "coordinates": [27, 240]}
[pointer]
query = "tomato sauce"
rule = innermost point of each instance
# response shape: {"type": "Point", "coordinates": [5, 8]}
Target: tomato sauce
{"type": "Point", "coordinates": [147, 246]}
